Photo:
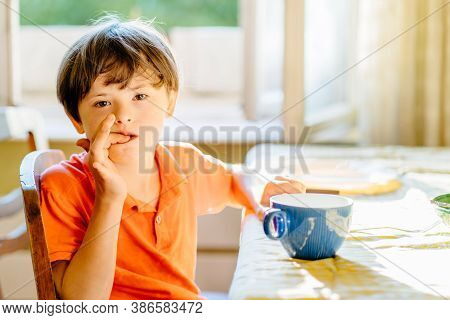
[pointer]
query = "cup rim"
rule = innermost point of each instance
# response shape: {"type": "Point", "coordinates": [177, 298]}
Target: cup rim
{"type": "Point", "coordinates": [278, 200]}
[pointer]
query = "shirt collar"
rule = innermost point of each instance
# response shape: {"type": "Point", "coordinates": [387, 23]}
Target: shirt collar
{"type": "Point", "coordinates": [171, 176]}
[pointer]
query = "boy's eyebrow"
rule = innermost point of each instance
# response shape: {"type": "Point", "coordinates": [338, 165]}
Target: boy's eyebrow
{"type": "Point", "coordinates": [101, 94]}
{"type": "Point", "coordinates": [139, 86]}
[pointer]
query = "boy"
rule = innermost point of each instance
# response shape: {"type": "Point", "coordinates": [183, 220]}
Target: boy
{"type": "Point", "coordinates": [121, 217]}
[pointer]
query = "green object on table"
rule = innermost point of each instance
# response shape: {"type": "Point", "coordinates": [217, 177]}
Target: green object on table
{"type": "Point", "coordinates": [442, 205]}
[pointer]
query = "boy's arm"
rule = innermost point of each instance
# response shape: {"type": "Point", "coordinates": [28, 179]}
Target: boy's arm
{"type": "Point", "coordinates": [90, 273]}
{"type": "Point", "coordinates": [242, 192]}
{"type": "Point", "coordinates": [242, 184]}
{"type": "Point", "coordinates": [58, 269]}
{"type": "Point", "coordinates": [218, 184]}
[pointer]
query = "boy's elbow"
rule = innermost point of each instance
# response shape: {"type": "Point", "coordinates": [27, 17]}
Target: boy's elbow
{"type": "Point", "coordinates": [75, 291]}
{"type": "Point", "coordinates": [68, 294]}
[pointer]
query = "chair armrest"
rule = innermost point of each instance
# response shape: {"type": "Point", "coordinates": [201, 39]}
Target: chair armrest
{"type": "Point", "coordinates": [15, 240]}
{"type": "Point", "coordinates": [11, 203]}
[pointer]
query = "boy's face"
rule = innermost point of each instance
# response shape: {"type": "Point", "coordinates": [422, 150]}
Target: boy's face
{"type": "Point", "coordinates": [139, 105]}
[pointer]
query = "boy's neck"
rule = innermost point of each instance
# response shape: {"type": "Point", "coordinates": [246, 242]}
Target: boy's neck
{"type": "Point", "coordinates": [141, 183]}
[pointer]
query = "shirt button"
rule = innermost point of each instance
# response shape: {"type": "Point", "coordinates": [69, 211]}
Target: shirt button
{"type": "Point", "coordinates": [158, 219]}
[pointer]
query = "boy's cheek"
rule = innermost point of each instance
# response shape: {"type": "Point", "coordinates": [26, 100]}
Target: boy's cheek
{"type": "Point", "coordinates": [91, 129]}
{"type": "Point", "coordinates": [90, 123]}
{"type": "Point", "coordinates": [88, 136]}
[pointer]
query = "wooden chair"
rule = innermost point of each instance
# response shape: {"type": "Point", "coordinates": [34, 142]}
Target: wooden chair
{"type": "Point", "coordinates": [31, 168]}
{"type": "Point", "coordinates": [18, 123]}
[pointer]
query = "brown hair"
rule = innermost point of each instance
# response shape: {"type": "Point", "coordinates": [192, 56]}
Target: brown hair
{"type": "Point", "coordinates": [118, 49]}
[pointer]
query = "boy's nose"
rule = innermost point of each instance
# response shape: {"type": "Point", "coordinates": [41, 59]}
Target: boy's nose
{"type": "Point", "coordinates": [122, 117]}
{"type": "Point", "coordinates": [122, 120]}
{"type": "Point", "coordinates": [123, 113]}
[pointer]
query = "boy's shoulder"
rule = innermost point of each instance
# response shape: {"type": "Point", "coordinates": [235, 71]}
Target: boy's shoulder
{"type": "Point", "coordinates": [178, 145]}
{"type": "Point", "coordinates": [190, 157]}
{"type": "Point", "coordinates": [66, 173]}
{"type": "Point", "coordinates": [75, 171]}
{"type": "Point", "coordinates": [181, 150]}
{"type": "Point", "coordinates": [184, 152]}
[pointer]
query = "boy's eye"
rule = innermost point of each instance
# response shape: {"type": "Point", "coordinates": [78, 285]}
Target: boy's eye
{"type": "Point", "coordinates": [140, 96]}
{"type": "Point", "coordinates": [102, 104]}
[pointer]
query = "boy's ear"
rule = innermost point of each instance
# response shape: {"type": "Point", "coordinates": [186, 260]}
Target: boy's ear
{"type": "Point", "coordinates": [78, 125]}
{"type": "Point", "coordinates": [173, 95]}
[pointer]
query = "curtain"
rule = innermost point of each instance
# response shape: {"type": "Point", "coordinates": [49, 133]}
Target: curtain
{"type": "Point", "coordinates": [401, 79]}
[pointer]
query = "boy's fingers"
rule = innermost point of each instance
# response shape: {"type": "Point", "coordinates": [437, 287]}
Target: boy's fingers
{"type": "Point", "coordinates": [287, 187]}
{"type": "Point", "coordinates": [284, 178]}
{"type": "Point", "coordinates": [260, 211]}
{"type": "Point", "coordinates": [296, 183]}
{"type": "Point", "coordinates": [115, 138]}
{"type": "Point", "coordinates": [101, 168]}
{"type": "Point", "coordinates": [275, 188]}
{"type": "Point", "coordinates": [104, 122]}
{"type": "Point", "coordinates": [101, 137]}
{"type": "Point", "coordinates": [297, 186]}
{"type": "Point", "coordinates": [84, 143]}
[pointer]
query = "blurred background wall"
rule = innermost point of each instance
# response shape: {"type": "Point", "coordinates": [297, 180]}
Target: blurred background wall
{"type": "Point", "coordinates": [355, 72]}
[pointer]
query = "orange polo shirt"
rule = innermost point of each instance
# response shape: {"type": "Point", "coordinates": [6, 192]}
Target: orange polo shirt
{"type": "Point", "coordinates": [156, 249]}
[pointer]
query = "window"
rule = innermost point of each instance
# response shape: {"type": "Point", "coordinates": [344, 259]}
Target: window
{"type": "Point", "coordinates": [317, 47]}
{"type": "Point", "coordinates": [169, 13]}
{"type": "Point", "coordinates": [205, 35]}
{"type": "Point", "coordinates": [329, 50]}
{"type": "Point", "coordinates": [245, 60]}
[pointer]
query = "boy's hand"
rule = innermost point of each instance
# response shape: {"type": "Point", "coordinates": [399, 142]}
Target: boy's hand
{"type": "Point", "coordinates": [281, 185]}
{"type": "Point", "coordinates": [109, 183]}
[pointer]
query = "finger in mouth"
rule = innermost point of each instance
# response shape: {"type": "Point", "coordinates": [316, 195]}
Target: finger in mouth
{"type": "Point", "coordinates": [129, 138]}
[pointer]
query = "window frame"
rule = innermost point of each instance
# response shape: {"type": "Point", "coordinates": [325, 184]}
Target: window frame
{"type": "Point", "coordinates": [290, 111]}
{"type": "Point", "coordinates": [9, 53]}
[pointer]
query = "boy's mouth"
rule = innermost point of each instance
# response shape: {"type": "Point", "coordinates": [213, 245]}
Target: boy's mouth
{"type": "Point", "coordinates": [132, 136]}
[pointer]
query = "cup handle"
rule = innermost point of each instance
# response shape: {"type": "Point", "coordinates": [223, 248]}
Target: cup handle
{"type": "Point", "coordinates": [278, 219]}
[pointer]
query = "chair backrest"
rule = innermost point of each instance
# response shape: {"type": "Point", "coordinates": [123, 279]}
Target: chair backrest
{"type": "Point", "coordinates": [20, 123]}
{"type": "Point", "coordinates": [31, 168]}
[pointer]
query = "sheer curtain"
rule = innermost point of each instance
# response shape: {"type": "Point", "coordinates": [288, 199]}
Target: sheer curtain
{"type": "Point", "coordinates": [401, 84]}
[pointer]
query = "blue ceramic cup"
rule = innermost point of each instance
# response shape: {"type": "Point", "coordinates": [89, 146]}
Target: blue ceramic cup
{"type": "Point", "coordinates": [310, 226]}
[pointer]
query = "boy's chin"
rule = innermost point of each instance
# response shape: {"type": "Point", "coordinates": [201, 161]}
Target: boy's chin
{"type": "Point", "coordinates": [120, 152]}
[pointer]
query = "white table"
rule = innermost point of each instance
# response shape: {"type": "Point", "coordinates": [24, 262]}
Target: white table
{"type": "Point", "coordinates": [398, 248]}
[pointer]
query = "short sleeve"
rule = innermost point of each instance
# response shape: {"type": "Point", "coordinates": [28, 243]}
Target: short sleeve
{"type": "Point", "coordinates": [64, 225]}
{"type": "Point", "coordinates": [218, 184]}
